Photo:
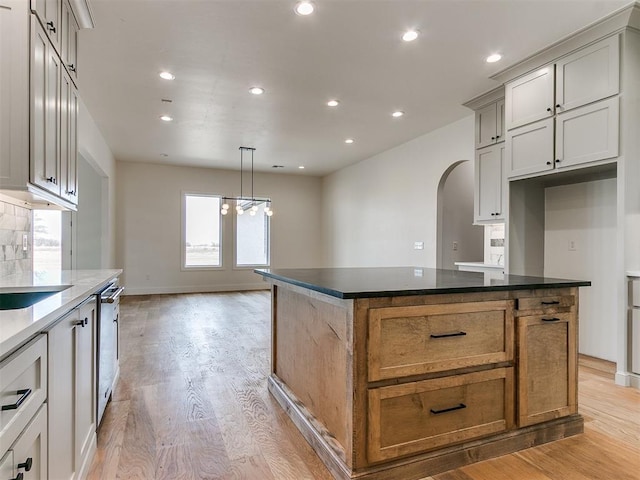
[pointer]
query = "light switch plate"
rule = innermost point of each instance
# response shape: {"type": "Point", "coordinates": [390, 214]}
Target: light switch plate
{"type": "Point", "coordinates": [25, 242]}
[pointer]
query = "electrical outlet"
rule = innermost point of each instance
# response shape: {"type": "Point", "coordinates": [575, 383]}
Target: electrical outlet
{"type": "Point", "coordinates": [25, 242]}
{"type": "Point", "coordinates": [455, 246]}
{"type": "Point", "coordinates": [572, 245]}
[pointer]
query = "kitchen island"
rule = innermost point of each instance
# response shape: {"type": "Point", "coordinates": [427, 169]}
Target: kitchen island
{"type": "Point", "coordinates": [402, 373]}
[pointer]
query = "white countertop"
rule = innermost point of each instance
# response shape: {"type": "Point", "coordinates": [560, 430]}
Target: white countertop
{"type": "Point", "coordinates": [19, 325]}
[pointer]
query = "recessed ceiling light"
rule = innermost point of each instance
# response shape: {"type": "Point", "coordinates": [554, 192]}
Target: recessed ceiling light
{"type": "Point", "coordinates": [166, 118]}
{"type": "Point", "coordinates": [167, 75]}
{"type": "Point", "coordinates": [494, 58]}
{"type": "Point", "coordinates": [304, 8]}
{"type": "Point", "coordinates": [349, 140]}
{"type": "Point", "coordinates": [301, 167]}
{"type": "Point", "coordinates": [397, 114]}
{"type": "Point", "coordinates": [333, 103]}
{"type": "Point", "coordinates": [256, 90]}
{"type": "Point", "coordinates": [410, 35]}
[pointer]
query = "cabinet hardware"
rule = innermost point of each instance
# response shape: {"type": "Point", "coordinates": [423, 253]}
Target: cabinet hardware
{"type": "Point", "coordinates": [72, 67]}
{"type": "Point", "coordinates": [51, 27]}
{"type": "Point", "coordinates": [115, 320]}
{"type": "Point", "coordinates": [52, 180]}
{"type": "Point", "coordinates": [553, 302]}
{"type": "Point", "coordinates": [557, 160]}
{"type": "Point", "coordinates": [549, 109]}
{"type": "Point", "coordinates": [453, 334]}
{"type": "Point", "coordinates": [493, 138]}
{"type": "Point", "coordinates": [23, 396]}
{"type": "Point", "coordinates": [460, 406]}
{"type": "Point", "coordinates": [497, 137]}
{"type": "Point", "coordinates": [548, 163]}
{"type": "Point", "coordinates": [26, 465]}
{"type": "Point", "coordinates": [82, 323]}
{"type": "Point", "coordinates": [19, 477]}
{"type": "Point", "coordinates": [71, 192]}
{"type": "Point", "coordinates": [558, 105]}
{"type": "Point", "coordinates": [554, 319]}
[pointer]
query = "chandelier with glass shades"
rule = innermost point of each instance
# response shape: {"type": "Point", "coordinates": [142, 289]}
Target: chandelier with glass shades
{"type": "Point", "coordinates": [242, 204]}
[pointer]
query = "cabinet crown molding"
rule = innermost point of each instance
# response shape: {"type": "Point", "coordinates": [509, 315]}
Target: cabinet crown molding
{"type": "Point", "coordinates": [84, 15]}
{"type": "Point", "coordinates": [485, 98]}
{"type": "Point", "coordinates": [626, 17]}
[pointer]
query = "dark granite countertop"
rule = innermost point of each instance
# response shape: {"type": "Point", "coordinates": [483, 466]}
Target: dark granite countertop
{"type": "Point", "coordinates": [401, 281]}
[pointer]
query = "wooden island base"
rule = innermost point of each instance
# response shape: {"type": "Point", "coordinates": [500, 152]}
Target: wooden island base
{"type": "Point", "coordinates": [426, 464]}
{"type": "Point", "coordinates": [401, 387]}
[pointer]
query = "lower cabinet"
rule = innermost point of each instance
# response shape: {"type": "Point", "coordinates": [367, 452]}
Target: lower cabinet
{"type": "Point", "coordinates": [72, 380]}
{"type": "Point", "coordinates": [30, 450]}
{"type": "Point", "coordinates": [547, 379]}
{"type": "Point", "coordinates": [420, 416]}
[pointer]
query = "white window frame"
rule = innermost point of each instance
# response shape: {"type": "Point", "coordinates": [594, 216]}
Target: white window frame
{"type": "Point", "coordinates": [235, 243]}
{"type": "Point", "coordinates": [183, 243]}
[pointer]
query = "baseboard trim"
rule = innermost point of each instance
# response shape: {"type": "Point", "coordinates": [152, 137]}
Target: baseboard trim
{"type": "Point", "coordinates": [605, 367]}
{"type": "Point", "coordinates": [195, 289]}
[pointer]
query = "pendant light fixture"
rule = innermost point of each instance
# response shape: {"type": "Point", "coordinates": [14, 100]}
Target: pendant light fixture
{"type": "Point", "coordinates": [242, 203]}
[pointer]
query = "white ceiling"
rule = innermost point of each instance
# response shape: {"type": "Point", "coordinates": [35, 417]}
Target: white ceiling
{"type": "Point", "coordinates": [348, 49]}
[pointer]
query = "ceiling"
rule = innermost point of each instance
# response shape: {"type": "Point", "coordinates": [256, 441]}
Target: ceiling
{"type": "Point", "coordinates": [350, 50]}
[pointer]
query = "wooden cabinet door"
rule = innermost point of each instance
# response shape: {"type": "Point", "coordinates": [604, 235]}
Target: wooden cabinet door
{"type": "Point", "coordinates": [31, 449]}
{"type": "Point", "coordinates": [85, 386]}
{"type": "Point", "coordinates": [488, 184]}
{"type": "Point", "coordinates": [14, 93]}
{"type": "Point", "coordinates": [486, 119]}
{"type": "Point", "coordinates": [587, 134]}
{"type": "Point", "coordinates": [45, 122]}
{"type": "Point", "coordinates": [48, 11]}
{"type": "Point", "coordinates": [68, 139]}
{"type": "Point", "coordinates": [588, 75]}
{"type": "Point", "coordinates": [62, 364]}
{"type": "Point", "coordinates": [547, 368]}
{"type": "Point", "coordinates": [529, 149]}
{"type": "Point", "coordinates": [69, 41]}
{"type": "Point", "coordinates": [529, 98]}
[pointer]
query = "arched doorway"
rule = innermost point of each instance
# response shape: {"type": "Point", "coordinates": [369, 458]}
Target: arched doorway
{"type": "Point", "coordinates": [457, 238]}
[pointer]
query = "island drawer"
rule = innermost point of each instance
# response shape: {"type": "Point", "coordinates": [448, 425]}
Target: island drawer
{"type": "Point", "coordinates": [420, 416]}
{"type": "Point", "coordinates": [23, 389]}
{"type": "Point", "coordinates": [414, 340]}
{"type": "Point", "coordinates": [546, 302]}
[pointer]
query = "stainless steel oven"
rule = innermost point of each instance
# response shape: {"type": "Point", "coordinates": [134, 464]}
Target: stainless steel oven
{"type": "Point", "coordinates": [107, 362]}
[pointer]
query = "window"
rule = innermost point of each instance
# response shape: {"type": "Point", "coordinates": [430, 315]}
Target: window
{"type": "Point", "coordinates": [201, 232]}
{"type": "Point", "coordinates": [252, 238]}
{"type": "Point", "coordinates": [47, 236]}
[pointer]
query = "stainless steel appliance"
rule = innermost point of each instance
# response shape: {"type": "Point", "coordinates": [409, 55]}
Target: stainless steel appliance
{"type": "Point", "coordinates": [108, 316]}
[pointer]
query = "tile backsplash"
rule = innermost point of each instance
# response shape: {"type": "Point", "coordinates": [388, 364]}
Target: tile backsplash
{"type": "Point", "coordinates": [15, 222]}
{"type": "Point", "coordinates": [494, 244]}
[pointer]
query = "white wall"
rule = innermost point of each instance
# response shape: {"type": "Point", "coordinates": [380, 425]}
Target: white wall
{"type": "Point", "coordinates": [375, 210]}
{"type": "Point", "coordinates": [94, 149]}
{"type": "Point", "coordinates": [585, 213]}
{"type": "Point", "coordinates": [149, 226]}
{"type": "Point", "coordinates": [456, 200]}
{"type": "Point", "coordinates": [88, 219]}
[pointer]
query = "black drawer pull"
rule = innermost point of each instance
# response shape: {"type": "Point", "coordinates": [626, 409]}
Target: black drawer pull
{"type": "Point", "coordinates": [23, 396]}
{"type": "Point", "coordinates": [26, 465]}
{"type": "Point", "coordinates": [452, 334]}
{"type": "Point", "coordinates": [460, 406]}
{"type": "Point", "coordinates": [554, 302]}
{"type": "Point", "coordinates": [554, 319]}
{"type": "Point", "coordinates": [19, 477]}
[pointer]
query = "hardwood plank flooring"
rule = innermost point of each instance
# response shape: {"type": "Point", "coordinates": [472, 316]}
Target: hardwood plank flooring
{"type": "Point", "coordinates": [192, 403]}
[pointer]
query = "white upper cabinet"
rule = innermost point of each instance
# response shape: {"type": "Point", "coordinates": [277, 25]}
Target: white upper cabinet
{"type": "Point", "coordinates": [530, 148]}
{"type": "Point", "coordinates": [69, 40]}
{"type": "Point", "coordinates": [590, 74]}
{"type": "Point", "coordinates": [587, 133]}
{"type": "Point", "coordinates": [490, 124]}
{"type": "Point", "coordinates": [488, 192]}
{"type": "Point", "coordinates": [48, 12]}
{"type": "Point", "coordinates": [530, 97]}
{"type": "Point", "coordinates": [584, 117]}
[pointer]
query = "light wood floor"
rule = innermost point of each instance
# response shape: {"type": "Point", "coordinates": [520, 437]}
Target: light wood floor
{"type": "Point", "coordinates": [192, 403]}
